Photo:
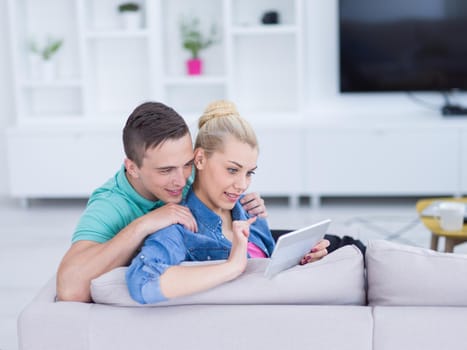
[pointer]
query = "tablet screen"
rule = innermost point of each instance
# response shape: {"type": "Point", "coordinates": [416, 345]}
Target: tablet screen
{"type": "Point", "coordinates": [291, 247]}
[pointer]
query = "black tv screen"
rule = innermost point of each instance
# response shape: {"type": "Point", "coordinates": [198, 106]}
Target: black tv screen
{"type": "Point", "coordinates": [402, 45]}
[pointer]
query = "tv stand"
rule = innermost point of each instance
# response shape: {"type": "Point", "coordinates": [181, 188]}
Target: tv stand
{"type": "Point", "coordinates": [449, 110]}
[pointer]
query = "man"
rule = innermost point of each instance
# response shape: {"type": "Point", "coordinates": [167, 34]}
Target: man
{"type": "Point", "coordinates": [140, 199]}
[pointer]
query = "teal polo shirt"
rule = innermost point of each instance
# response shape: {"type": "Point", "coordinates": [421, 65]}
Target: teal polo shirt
{"type": "Point", "coordinates": [112, 207]}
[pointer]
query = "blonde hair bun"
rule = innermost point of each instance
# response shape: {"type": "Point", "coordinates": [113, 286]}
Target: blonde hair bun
{"type": "Point", "coordinates": [219, 121]}
{"type": "Point", "coordinates": [218, 109]}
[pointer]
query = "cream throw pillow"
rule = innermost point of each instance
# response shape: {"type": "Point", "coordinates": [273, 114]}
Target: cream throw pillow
{"type": "Point", "coordinates": [336, 279]}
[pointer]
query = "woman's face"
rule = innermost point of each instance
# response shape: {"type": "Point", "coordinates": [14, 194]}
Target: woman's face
{"type": "Point", "coordinates": [223, 176]}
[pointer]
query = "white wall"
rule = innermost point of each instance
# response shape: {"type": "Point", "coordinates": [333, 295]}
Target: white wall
{"type": "Point", "coordinates": [6, 93]}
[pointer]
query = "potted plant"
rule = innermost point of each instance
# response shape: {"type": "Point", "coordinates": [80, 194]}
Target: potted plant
{"type": "Point", "coordinates": [194, 41]}
{"type": "Point", "coordinates": [130, 15]}
{"type": "Point", "coordinates": [46, 54]}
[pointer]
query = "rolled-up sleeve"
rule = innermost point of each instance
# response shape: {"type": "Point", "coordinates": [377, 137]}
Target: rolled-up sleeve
{"type": "Point", "coordinates": [160, 251]}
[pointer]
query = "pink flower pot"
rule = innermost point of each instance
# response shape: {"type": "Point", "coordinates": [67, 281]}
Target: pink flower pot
{"type": "Point", "coordinates": [194, 66]}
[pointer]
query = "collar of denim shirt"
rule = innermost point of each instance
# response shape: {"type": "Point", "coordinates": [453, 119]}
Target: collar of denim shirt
{"type": "Point", "coordinates": [208, 220]}
{"type": "Point", "coordinates": [206, 216]}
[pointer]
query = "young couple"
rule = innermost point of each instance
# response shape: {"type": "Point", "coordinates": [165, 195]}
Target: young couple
{"type": "Point", "coordinates": [142, 199]}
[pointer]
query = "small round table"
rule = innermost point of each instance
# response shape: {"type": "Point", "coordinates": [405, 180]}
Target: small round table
{"type": "Point", "coordinates": [452, 237]}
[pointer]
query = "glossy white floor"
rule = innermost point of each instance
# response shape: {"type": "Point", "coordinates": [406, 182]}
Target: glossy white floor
{"type": "Point", "coordinates": [33, 240]}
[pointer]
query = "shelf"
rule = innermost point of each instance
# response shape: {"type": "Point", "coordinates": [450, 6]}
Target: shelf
{"type": "Point", "coordinates": [62, 83]}
{"type": "Point", "coordinates": [264, 29]}
{"type": "Point", "coordinates": [117, 34]}
{"type": "Point", "coordinates": [49, 119]}
{"type": "Point", "coordinates": [195, 80]}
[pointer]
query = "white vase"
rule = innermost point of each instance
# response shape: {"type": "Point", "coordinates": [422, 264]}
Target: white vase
{"type": "Point", "coordinates": [49, 72]}
{"type": "Point", "coordinates": [131, 20]}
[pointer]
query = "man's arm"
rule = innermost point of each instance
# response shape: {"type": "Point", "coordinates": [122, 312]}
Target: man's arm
{"type": "Point", "coordinates": [86, 260]}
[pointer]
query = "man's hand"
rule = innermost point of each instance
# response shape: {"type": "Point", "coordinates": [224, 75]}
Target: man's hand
{"type": "Point", "coordinates": [167, 215]}
{"type": "Point", "coordinates": [254, 205]}
{"type": "Point", "coordinates": [317, 252]}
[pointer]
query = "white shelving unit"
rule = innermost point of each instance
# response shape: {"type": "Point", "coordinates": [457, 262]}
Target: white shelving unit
{"type": "Point", "coordinates": [105, 70]}
{"type": "Point", "coordinates": [267, 59]}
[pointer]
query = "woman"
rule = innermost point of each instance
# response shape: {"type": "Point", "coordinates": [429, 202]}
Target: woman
{"type": "Point", "coordinates": [226, 152]}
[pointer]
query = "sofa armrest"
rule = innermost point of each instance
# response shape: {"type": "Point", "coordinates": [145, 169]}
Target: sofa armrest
{"type": "Point", "coordinates": [47, 324]}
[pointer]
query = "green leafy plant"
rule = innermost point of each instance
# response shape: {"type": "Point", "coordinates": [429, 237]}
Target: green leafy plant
{"type": "Point", "coordinates": [128, 7]}
{"type": "Point", "coordinates": [192, 38]}
{"type": "Point", "coordinates": [48, 50]}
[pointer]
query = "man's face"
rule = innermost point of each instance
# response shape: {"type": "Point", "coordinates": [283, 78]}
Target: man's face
{"type": "Point", "coordinates": [164, 170]}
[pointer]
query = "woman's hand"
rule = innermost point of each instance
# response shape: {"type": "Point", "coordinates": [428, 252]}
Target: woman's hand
{"type": "Point", "coordinates": [238, 254]}
{"type": "Point", "coordinates": [316, 253]}
{"type": "Point", "coordinates": [254, 205]}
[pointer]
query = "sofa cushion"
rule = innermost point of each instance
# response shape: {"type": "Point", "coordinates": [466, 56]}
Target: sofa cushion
{"type": "Point", "coordinates": [336, 279]}
{"type": "Point", "coordinates": [402, 275]}
{"type": "Point", "coordinates": [427, 328]}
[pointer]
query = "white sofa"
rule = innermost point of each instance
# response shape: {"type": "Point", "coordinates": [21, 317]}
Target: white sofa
{"type": "Point", "coordinates": [406, 298]}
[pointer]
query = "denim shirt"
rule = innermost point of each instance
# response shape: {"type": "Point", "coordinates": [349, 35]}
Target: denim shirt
{"type": "Point", "coordinates": [175, 244]}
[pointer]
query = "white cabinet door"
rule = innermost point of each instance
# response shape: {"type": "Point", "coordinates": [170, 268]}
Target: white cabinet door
{"type": "Point", "coordinates": [61, 163]}
{"type": "Point", "coordinates": [389, 161]}
{"type": "Point", "coordinates": [280, 166]}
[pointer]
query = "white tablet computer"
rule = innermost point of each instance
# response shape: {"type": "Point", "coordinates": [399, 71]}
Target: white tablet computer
{"type": "Point", "coordinates": [291, 247]}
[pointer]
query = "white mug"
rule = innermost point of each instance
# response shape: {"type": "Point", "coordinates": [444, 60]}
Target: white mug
{"type": "Point", "coordinates": [450, 215]}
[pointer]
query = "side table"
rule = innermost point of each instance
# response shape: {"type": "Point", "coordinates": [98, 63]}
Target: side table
{"type": "Point", "coordinates": [452, 237]}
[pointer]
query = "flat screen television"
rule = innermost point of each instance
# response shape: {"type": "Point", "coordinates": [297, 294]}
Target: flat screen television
{"type": "Point", "coordinates": [402, 45]}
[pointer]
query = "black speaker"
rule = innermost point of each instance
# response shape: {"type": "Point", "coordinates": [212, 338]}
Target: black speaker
{"type": "Point", "coordinates": [270, 17]}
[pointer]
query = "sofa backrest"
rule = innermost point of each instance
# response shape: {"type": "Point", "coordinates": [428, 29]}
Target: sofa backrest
{"type": "Point", "coordinates": [337, 279]}
{"type": "Point", "coordinates": [403, 275]}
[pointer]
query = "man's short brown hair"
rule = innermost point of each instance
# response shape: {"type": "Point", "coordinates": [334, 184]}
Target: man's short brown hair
{"type": "Point", "coordinates": [148, 126]}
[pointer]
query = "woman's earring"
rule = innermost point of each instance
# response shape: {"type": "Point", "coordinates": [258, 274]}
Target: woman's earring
{"type": "Point", "coordinates": [198, 164]}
